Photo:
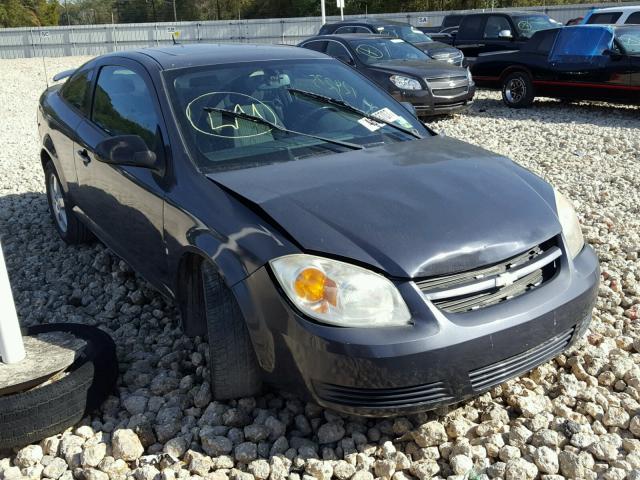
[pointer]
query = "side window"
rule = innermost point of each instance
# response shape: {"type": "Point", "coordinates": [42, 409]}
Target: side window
{"type": "Point", "coordinates": [546, 41]}
{"type": "Point", "coordinates": [123, 105]}
{"type": "Point", "coordinates": [579, 45]}
{"type": "Point", "coordinates": [347, 29]}
{"type": "Point", "coordinates": [495, 24]}
{"type": "Point", "coordinates": [76, 90]}
{"type": "Point", "coordinates": [604, 18]}
{"type": "Point", "coordinates": [471, 27]}
{"type": "Point", "coordinates": [361, 30]}
{"type": "Point", "coordinates": [633, 19]}
{"type": "Point", "coordinates": [336, 50]}
{"type": "Point", "coordinates": [316, 45]}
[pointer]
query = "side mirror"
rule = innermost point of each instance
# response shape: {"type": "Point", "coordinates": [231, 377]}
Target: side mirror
{"type": "Point", "coordinates": [612, 54]}
{"type": "Point", "coordinates": [126, 150]}
{"type": "Point", "coordinates": [505, 34]}
{"type": "Point", "coordinates": [345, 59]}
{"type": "Point", "coordinates": [410, 107]}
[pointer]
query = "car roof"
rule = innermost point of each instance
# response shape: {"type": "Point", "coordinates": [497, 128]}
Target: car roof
{"type": "Point", "coordinates": [370, 21]}
{"type": "Point", "coordinates": [349, 36]}
{"type": "Point", "coordinates": [508, 12]}
{"type": "Point", "coordinates": [194, 55]}
{"type": "Point", "coordinates": [617, 9]}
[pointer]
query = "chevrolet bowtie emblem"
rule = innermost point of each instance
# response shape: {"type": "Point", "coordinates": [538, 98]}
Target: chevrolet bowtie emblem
{"type": "Point", "coordinates": [505, 279]}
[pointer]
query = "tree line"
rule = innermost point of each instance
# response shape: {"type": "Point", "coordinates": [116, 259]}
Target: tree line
{"type": "Point", "coordinates": [19, 13]}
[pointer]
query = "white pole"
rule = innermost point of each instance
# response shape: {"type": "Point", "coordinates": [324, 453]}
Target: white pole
{"type": "Point", "coordinates": [11, 346]}
{"type": "Point", "coordinates": [342, 11]}
{"type": "Point", "coordinates": [323, 12]}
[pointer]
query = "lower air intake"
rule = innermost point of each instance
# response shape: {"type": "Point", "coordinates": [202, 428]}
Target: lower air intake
{"type": "Point", "coordinates": [384, 397]}
{"type": "Point", "coordinates": [486, 377]}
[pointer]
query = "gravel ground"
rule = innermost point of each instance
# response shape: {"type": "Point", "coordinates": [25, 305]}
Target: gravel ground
{"type": "Point", "coordinates": [575, 417]}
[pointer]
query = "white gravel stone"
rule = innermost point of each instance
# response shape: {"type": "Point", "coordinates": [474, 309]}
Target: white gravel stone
{"type": "Point", "coordinates": [126, 445]}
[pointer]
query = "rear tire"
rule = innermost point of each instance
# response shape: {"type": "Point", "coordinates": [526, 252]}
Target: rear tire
{"type": "Point", "coordinates": [69, 227]}
{"type": "Point", "coordinates": [517, 90]}
{"type": "Point", "coordinates": [233, 366]}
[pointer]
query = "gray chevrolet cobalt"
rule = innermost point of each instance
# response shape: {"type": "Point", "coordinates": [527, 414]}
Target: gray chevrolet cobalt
{"type": "Point", "coordinates": [311, 228]}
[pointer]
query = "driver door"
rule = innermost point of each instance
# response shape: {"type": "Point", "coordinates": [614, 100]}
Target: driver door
{"type": "Point", "coordinates": [124, 204]}
{"type": "Point", "coordinates": [586, 65]}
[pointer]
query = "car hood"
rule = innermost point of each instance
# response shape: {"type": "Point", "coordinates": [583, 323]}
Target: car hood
{"type": "Point", "coordinates": [411, 209]}
{"type": "Point", "coordinates": [420, 68]}
{"type": "Point", "coordinates": [431, 48]}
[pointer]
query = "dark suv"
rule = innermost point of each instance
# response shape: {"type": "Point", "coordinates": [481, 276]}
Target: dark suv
{"type": "Point", "coordinates": [436, 50]}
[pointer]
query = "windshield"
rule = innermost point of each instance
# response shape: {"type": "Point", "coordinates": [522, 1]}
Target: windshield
{"type": "Point", "coordinates": [527, 25]}
{"type": "Point", "coordinates": [629, 38]}
{"type": "Point", "coordinates": [371, 51]}
{"type": "Point", "coordinates": [405, 32]}
{"type": "Point", "coordinates": [203, 96]}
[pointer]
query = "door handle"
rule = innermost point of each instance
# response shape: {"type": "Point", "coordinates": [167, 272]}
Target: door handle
{"type": "Point", "coordinates": [84, 155]}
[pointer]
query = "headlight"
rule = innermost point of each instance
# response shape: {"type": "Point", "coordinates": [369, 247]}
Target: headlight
{"type": "Point", "coordinates": [339, 293]}
{"type": "Point", "coordinates": [469, 76]}
{"type": "Point", "coordinates": [406, 83]}
{"type": "Point", "coordinates": [570, 224]}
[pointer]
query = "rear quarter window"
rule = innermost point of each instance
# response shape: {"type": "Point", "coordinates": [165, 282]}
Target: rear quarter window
{"type": "Point", "coordinates": [541, 42]}
{"type": "Point", "coordinates": [604, 18]}
{"type": "Point", "coordinates": [633, 19]}
{"type": "Point", "coordinates": [471, 27]}
{"type": "Point", "coordinates": [76, 90]}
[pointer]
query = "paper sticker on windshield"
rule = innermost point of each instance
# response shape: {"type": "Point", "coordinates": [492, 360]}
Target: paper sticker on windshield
{"type": "Point", "coordinates": [386, 115]}
{"type": "Point", "coordinates": [370, 124]}
{"type": "Point", "coordinates": [397, 40]}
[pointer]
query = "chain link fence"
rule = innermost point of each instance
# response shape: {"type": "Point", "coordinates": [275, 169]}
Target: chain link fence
{"type": "Point", "coordinates": [97, 39]}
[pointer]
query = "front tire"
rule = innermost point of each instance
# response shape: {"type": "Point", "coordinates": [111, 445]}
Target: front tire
{"type": "Point", "coordinates": [69, 227]}
{"type": "Point", "coordinates": [233, 365]}
{"type": "Point", "coordinates": [517, 90]}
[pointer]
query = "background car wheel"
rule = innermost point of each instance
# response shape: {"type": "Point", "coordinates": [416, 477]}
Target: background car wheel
{"type": "Point", "coordinates": [235, 372]}
{"type": "Point", "coordinates": [517, 90]}
{"type": "Point", "coordinates": [32, 415]}
{"type": "Point", "coordinates": [71, 230]}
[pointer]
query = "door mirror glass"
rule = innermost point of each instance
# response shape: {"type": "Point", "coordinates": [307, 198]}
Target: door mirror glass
{"type": "Point", "coordinates": [126, 150]}
{"type": "Point", "coordinates": [505, 34]}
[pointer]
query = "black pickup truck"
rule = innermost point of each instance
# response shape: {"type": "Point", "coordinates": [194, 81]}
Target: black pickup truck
{"type": "Point", "coordinates": [494, 31]}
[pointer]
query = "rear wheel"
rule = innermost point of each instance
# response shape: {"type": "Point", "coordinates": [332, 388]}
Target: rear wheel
{"type": "Point", "coordinates": [69, 227]}
{"type": "Point", "coordinates": [517, 90]}
{"type": "Point", "coordinates": [235, 372]}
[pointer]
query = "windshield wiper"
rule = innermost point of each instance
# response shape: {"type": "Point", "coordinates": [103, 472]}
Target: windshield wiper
{"type": "Point", "coordinates": [255, 119]}
{"type": "Point", "coordinates": [346, 106]}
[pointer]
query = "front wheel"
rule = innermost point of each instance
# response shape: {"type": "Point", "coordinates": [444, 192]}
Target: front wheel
{"type": "Point", "coordinates": [233, 365]}
{"type": "Point", "coordinates": [517, 90]}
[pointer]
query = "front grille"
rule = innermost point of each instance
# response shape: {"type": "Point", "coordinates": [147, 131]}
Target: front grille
{"type": "Point", "coordinates": [486, 377]}
{"type": "Point", "coordinates": [455, 58]}
{"type": "Point", "coordinates": [449, 92]}
{"type": "Point", "coordinates": [475, 289]}
{"type": "Point", "coordinates": [443, 86]}
{"type": "Point", "coordinates": [384, 397]}
{"type": "Point", "coordinates": [447, 79]}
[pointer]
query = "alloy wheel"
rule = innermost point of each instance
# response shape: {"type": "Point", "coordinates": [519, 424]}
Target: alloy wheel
{"type": "Point", "coordinates": [57, 202]}
{"type": "Point", "coordinates": [515, 90]}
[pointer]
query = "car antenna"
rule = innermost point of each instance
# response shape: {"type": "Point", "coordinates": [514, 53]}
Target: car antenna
{"type": "Point", "coordinates": [43, 34]}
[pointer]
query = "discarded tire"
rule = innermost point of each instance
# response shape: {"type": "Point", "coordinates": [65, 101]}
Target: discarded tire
{"type": "Point", "coordinates": [30, 416]}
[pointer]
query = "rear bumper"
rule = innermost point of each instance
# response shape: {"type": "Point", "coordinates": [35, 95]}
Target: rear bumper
{"type": "Point", "coordinates": [427, 104]}
{"type": "Point", "coordinates": [440, 359]}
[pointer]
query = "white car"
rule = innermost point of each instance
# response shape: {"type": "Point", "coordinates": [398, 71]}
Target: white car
{"type": "Point", "coordinates": [614, 16]}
